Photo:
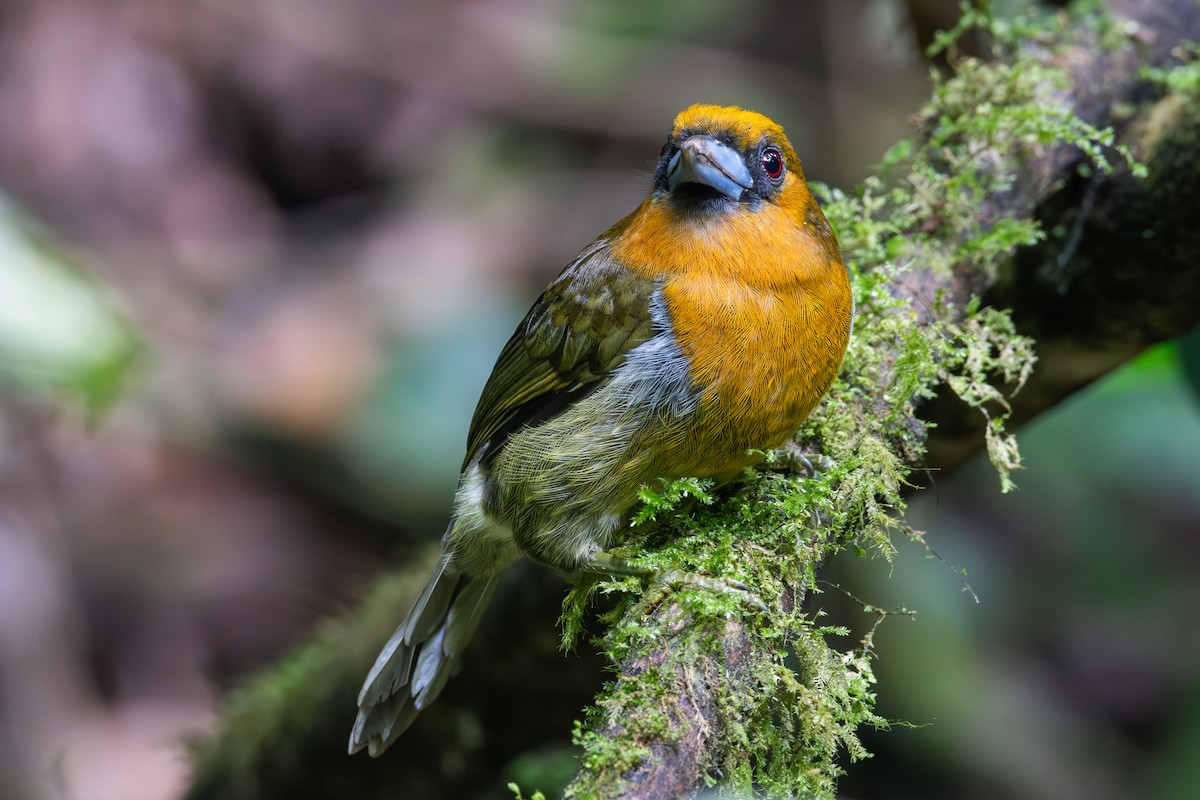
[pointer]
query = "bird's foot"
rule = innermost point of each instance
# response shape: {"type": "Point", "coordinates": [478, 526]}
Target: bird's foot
{"type": "Point", "coordinates": [730, 587]}
{"type": "Point", "coordinates": [790, 458]}
{"type": "Point", "coordinates": [660, 580]}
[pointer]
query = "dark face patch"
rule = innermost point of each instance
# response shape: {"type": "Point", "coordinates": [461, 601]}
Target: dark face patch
{"type": "Point", "coordinates": [767, 165]}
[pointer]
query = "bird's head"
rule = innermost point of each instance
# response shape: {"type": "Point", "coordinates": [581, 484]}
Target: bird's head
{"type": "Point", "coordinates": [729, 197]}
{"type": "Point", "coordinates": [723, 158]}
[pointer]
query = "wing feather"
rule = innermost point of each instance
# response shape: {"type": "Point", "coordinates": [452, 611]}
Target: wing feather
{"type": "Point", "coordinates": [573, 337]}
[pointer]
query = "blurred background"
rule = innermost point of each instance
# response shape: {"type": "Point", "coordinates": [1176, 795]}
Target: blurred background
{"type": "Point", "coordinates": [256, 260]}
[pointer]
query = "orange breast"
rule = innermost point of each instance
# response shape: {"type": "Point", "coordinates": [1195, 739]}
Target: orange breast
{"type": "Point", "coordinates": [760, 304]}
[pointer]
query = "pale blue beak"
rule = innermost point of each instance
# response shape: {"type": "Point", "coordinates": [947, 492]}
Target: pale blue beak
{"type": "Point", "coordinates": [704, 160]}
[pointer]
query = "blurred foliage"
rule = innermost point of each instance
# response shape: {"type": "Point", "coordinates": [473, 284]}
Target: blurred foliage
{"type": "Point", "coordinates": [61, 334]}
{"type": "Point", "coordinates": [1189, 360]}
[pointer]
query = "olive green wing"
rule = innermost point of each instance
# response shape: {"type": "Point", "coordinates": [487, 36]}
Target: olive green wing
{"type": "Point", "coordinates": [576, 334]}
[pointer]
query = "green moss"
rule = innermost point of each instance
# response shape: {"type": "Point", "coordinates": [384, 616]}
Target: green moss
{"type": "Point", "coordinates": [1183, 78]}
{"type": "Point", "coordinates": [516, 790]}
{"type": "Point", "coordinates": [761, 533]}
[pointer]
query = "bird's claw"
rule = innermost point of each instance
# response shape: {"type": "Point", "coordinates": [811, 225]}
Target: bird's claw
{"type": "Point", "coordinates": [731, 587]}
{"type": "Point", "coordinates": [790, 458]}
{"type": "Point", "coordinates": [606, 564]}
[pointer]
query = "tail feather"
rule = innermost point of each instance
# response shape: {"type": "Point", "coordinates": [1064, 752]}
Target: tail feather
{"type": "Point", "coordinates": [393, 665]}
{"type": "Point", "coordinates": [429, 664]}
{"type": "Point", "coordinates": [418, 659]}
{"type": "Point", "coordinates": [465, 614]}
{"type": "Point", "coordinates": [430, 609]}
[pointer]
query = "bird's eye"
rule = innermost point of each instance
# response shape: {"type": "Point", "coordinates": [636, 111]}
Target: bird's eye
{"type": "Point", "coordinates": [772, 163]}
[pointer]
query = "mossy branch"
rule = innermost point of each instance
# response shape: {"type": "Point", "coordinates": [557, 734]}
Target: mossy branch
{"type": "Point", "coordinates": [1023, 193]}
{"type": "Point", "coordinates": [1014, 197]}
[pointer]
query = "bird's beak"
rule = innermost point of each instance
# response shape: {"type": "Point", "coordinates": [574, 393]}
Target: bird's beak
{"type": "Point", "coordinates": [704, 160]}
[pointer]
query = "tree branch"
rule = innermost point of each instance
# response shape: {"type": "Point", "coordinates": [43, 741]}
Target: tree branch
{"type": "Point", "coordinates": [1120, 268]}
{"type": "Point", "coordinates": [1119, 271]}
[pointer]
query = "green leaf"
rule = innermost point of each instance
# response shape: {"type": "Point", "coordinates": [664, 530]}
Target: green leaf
{"type": "Point", "coordinates": [60, 333]}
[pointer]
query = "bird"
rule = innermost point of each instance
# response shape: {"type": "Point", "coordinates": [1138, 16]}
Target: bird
{"type": "Point", "coordinates": [687, 340]}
